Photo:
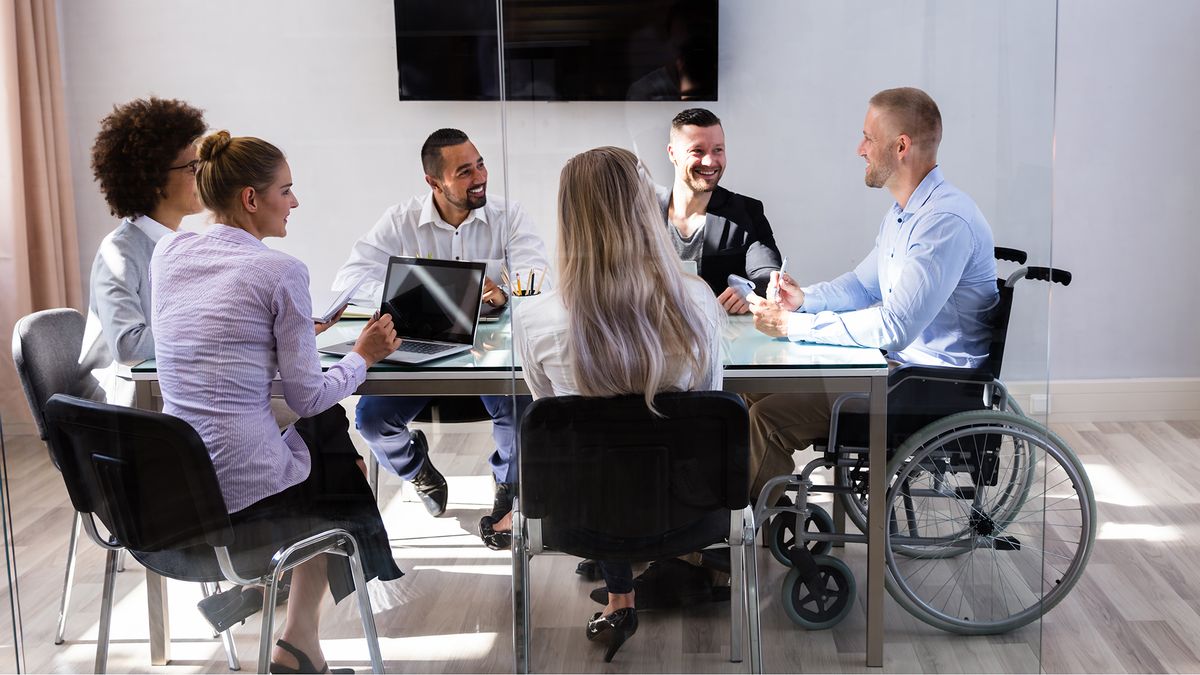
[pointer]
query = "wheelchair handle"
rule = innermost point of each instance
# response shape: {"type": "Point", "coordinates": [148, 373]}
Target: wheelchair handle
{"type": "Point", "coordinates": [1011, 255]}
{"type": "Point", "coordinates": [1051, 274]}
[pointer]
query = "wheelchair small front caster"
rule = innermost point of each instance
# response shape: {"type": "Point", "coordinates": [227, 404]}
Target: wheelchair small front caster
{"type": "Point", "coordinates": [781, 533]}
{"type": "Point", "coordinates": [827, 604]}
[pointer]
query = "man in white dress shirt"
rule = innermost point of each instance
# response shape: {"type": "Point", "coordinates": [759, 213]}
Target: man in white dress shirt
{"type": "Point", "coordinates": [455, 220]}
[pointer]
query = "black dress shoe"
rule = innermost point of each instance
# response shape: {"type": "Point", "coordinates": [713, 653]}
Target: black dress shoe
{"type": "Point", "coordinates": [613, 629]}
{"type": "Point", "coordinates": [429, 482]}
{"type": "Point", "coordinates": [589, 569]}
{"type": "Point", "coordinates": [503, 499]}
{"type": "Point", "coordinates": [670, 584]}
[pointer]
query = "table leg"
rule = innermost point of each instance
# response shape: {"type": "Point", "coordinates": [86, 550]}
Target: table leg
{"type": "Point", "coordinates": [160, 622]}
{"type": "Point", "coordinates": [143, 395]}
{"type": "Point", "coordinates": [876, 530]}
{"type": "Point", "coordinates": [156, 586]}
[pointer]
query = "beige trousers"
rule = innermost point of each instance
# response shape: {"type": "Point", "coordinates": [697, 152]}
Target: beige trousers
{"type": "Point", "coordinates": [780, 424]}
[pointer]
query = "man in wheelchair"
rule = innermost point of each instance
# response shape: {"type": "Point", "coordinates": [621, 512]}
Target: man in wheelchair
{"type": "Point", "coordinates": [923, 294]}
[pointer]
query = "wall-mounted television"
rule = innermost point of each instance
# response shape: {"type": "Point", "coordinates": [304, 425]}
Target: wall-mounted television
{"type": "Point", "coordinates": [558, 50]}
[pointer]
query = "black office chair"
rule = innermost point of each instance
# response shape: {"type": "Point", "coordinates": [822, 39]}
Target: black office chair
{"type": "Point", "coordinates": [147, 477]}
{"type": "Point", "coordinates": [609, 467]}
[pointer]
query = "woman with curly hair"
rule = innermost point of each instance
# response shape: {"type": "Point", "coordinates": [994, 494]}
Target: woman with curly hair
{"type": "Point", "coordinates": [145, 161]}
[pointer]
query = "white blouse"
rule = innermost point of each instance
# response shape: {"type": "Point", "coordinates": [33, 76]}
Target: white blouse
{"type": "Point", "coordinates": [540, 338]}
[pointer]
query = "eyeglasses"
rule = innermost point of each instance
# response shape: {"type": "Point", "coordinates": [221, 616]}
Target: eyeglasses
{"type": "Point", "coordinates": [192, 166]}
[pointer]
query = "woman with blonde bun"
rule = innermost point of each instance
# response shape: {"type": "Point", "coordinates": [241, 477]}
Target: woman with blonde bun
{"type": "Point", "coordinates": [230, 314]}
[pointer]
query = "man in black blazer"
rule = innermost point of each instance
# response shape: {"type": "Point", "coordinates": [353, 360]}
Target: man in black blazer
{"type": "Point", "coordinates": [723, 232]}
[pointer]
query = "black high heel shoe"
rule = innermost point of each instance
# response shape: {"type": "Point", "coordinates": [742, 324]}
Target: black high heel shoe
{"type": "Point", "coordinates": [497, 541]}
{"type": "Point", "coordinates": [613, 628]}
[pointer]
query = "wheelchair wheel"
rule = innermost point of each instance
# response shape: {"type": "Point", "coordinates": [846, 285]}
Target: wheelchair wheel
{"type": "Point", "coordinates": [978, 547]}
{"type": "Point", "coordinates": [1018, 462]}
{"type": "Point", "coordinates": [781, 533]}
{"type": "Point", "coordinates": [829, 604]}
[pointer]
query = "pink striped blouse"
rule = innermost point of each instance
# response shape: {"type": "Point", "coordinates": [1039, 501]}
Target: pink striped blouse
{"type": "Point", "coordinates": [228, 314]}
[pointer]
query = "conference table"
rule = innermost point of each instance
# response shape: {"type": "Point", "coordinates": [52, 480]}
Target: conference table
{"type": "Point", "coordinates": [753, 364]}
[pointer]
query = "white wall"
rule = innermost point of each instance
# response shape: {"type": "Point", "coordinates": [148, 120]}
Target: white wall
{"type": "Point", "coordinates": [318, 79]}
{"type": "Point", "coordinates": [1125, 218]}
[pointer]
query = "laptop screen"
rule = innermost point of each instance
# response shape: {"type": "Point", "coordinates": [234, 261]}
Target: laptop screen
{"type": "Point", "coordinates": [434, 299]}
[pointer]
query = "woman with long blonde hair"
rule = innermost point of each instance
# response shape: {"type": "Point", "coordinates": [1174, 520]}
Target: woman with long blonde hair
{"type": "Point", "coordinates": [624, 319]}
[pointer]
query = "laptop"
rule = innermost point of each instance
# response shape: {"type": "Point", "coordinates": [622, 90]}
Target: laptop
{"type": "Point", "coordinates": [434, 305]}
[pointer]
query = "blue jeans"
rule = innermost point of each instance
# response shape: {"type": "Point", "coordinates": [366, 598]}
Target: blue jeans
{"type": "Point", "coordinates": [383, 422]}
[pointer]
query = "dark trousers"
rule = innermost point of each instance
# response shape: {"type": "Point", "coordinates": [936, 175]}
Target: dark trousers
{"type": "Point", "coordinates": [383, 422]}
{"type": "Point", "coordinates": [618, 576]}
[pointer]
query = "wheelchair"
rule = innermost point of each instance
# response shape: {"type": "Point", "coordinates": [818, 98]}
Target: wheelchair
{"type": "Point", "coordinates": [990, 516]}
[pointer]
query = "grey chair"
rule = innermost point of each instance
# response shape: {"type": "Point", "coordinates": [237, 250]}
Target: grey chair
{"type": "Point", "coordinates": [46, 350]}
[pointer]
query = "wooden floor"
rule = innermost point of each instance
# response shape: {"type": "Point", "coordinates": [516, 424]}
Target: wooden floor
{"type": "Point", "coordinates": [1137, 609]}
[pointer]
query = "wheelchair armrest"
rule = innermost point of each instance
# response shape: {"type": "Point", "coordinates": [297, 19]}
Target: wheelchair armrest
{"type": "Point", "coordinates": [939, 374]}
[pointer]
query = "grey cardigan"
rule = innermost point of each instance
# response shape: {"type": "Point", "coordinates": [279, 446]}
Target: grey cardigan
{"type": "Point", "coordinates": [118, 326]}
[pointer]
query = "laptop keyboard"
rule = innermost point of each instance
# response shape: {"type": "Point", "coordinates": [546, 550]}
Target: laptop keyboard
{"type": "Point", "coordinates": [423, 347]}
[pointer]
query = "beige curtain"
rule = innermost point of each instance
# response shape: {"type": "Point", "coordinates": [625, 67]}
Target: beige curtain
{"type": "Point", "coordinates": [39, 256]}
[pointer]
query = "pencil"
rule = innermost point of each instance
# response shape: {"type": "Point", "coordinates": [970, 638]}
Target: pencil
{"type": "Point", "coordinates": [539, 286]}
{"type": "Point", "coordinates": [519, 291]}
{"type": "Point", "coordinates": [532, 274]}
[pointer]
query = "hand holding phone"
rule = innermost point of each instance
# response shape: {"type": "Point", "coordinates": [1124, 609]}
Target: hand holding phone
{"type": "Point", "coordinates": [741, 285]}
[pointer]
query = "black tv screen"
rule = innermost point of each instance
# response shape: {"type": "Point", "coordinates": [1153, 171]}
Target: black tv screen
{"type": "Point", "coordinates": [558, 50]}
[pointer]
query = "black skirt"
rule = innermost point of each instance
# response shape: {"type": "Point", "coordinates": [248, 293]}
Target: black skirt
{"type": "Point", "coordinates": [335, 495]}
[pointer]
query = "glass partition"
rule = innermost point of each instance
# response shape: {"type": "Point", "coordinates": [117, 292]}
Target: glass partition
{"type": "Point", "coordinates": [12, 648]}
{"type": "Point", "coordinates": [771, 169]}
{"type": "Point", "coordinates": [629, 180]}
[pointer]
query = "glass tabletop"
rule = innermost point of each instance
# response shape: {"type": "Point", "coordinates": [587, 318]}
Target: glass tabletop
{"type": "Point", "coordinates": [744, 349]}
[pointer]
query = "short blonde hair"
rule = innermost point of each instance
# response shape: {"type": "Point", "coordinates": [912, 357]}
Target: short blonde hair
{"type": "Point", "coordinates": [911, 111]}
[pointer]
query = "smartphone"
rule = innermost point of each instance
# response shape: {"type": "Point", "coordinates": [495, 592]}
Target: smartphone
{"type": "Point", "coordinates": [742, 285]}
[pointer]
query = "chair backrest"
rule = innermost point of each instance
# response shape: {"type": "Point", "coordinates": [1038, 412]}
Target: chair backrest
{"type": "Point", "coordinates": [147, 476]}
{"type": "Point", "coordinates": [999, 326]}
{"type": "Point", "coordinates": [45, 348]}
{"type": "Point", "coordinates": [611, 467]}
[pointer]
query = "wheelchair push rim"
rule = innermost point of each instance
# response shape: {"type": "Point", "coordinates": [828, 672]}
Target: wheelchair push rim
{"type": "Point", "coordinates": [965, 559]}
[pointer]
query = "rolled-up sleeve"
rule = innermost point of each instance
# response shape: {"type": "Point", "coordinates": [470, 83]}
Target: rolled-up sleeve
{"type": "Point", "coordinates": [940, 247]}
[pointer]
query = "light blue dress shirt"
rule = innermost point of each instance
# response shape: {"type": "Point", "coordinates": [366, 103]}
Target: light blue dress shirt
{"type": "Point", "coordinates": [924, 292]}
